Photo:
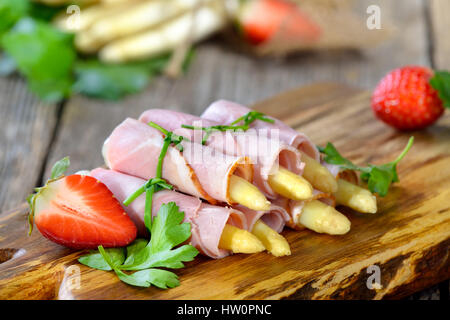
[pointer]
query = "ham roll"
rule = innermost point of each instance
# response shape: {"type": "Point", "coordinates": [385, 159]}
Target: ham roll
{"type": "Point", "coordinates": [134, 148]}
{"type": "Point", "coordinates": [207, 221]}
{"type": "Point", "coordinates": [338, 173]}
{"type": "Point", "coordinates": [264, 153]}
{"type": "Point", "coordinates": [276, 218]}
{"type": "Point", "coordinates": [226, 112]}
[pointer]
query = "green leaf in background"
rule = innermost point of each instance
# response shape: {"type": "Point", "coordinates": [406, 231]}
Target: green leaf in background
{"type": "Point", "coordinates": [44, 12]}
{"type": "Point", "coordinates": [109, 81]}
{"type": "Point", "coordinates": [11, 11]}
{"type": "Point", "coordinates": [441, 82]}
{"type": "Point", "coordinates": [44, 55]}
{"type": "Point", "coordinates": [7, 65]}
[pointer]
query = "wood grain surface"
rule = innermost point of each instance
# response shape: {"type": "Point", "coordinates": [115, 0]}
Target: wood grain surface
{"type": "Point", "coordinates": [408, 239]}
{"type": "Point", "coordinates": [35, 134]}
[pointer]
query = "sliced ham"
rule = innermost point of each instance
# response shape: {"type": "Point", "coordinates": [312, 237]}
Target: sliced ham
{"type": "Point", "coordinates": [226, 112]}
{"type": "Point", "coordinates": [207, 221]}
{"type": "Point", "coordinates": [275, 218]}
{"type": "Point", "coordinates": [134, 148]}
{"type": "Point", "coordinates": [349, 175]}
{"type": "Point", "coordinates": [264, 153]}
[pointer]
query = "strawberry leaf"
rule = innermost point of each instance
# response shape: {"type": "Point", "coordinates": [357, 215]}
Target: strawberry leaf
{"type": "Point", "coordinates": [441, 82]}
{"type": "Point", "coordinates": [58, 170]}
{"type": "Point", "coordinates": [60, 167]}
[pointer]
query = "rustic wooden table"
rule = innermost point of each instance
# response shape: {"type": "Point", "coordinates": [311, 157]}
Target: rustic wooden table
{"type": "Point", "coordinates": [35, 134]}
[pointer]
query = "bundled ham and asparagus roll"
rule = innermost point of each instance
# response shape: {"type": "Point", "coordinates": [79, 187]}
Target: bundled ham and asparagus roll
{"type": "Point", "coordinates": [215, 230]}
{"type": "Point", "coordinates": [213, 160]}
{"type": "Point", "coordinates": [134, 148]}
{"type": "Point", "coordinates": [277, 166]}
{"type": "Point", "coordinates": [266, 155]}
{"type": "Point", "coordinates": [323, 176]}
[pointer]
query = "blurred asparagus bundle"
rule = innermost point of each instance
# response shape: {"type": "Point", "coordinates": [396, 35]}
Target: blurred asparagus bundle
{"type": "Point", "coordinates": [127, 30]}
{"type": "Point", "coordinates": [92, 46]}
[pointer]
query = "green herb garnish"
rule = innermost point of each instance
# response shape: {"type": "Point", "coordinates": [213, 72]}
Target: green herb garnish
{"type": "Point", "coordinates": [44, 55]}
{"type": "Point", "coordinates": [378, 177]}
{"type": "Point", "coordinates": [144, 256]}
{"type": "Point", "coordinates": [248, 119]}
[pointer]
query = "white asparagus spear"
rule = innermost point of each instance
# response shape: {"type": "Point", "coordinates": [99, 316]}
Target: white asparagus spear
{"type": "Point", "coordinates": [318, 175]}
{"type": "Point", "coordinates": [290, 185]}
{"type": "Point", "coordinates": [239, 241]}
{"type": "Point", "coordinates": [205, 21]}
{"type": "Point", "coordinates": [89, 15]}
{"type": "Point", "coordinates": [132, 20]}
{"type": "Point", "coordinates": [322, 218]}
{"type": "Point", "coordinates": [355, 197]}
{"type": "Point", "coordinates": [274, 242]}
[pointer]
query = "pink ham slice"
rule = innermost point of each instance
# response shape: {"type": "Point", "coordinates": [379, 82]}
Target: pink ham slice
{"type": "Point", "coordinates": [226, 112]}
{"type": "Point", "coordinates": [207, 221]}
{"type": "Point", "coordinates": [134, 147]}
{"type": "Point", "coordinates": [349, 175]}
{"type": "Point", "coordinates": [266, 154]}
{"type": "Point", "coordinates": [275, 218]}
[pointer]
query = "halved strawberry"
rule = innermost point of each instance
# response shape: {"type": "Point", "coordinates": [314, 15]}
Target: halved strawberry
{"type": "Point", "coordinates": [79, 211]}
{"type": "Point", "coordinates": [260, 20]}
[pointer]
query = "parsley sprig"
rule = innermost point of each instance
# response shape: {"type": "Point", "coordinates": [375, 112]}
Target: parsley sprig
{"type": "Point", "coordinates": [248, 119]}
{"type": "Point", "coordinates": [143, 256]}
{"type": "Point", "coordinates": [166, 232]}
{"type": "Point", "coordinates": [378, 177]}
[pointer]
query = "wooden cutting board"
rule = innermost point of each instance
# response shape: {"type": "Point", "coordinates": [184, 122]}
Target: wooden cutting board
{"type": "Point", "coordinates": [407, 240]}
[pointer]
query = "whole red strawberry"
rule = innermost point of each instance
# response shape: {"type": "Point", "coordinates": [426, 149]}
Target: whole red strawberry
{"type": "Point", "coordinates": [411, 97]}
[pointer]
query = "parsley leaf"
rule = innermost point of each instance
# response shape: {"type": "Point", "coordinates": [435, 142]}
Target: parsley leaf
{"type": "Point", "coordinates": [95, 259]}
{"type": "Point", "coordinates": [44, 55]}
{"type": "Point", "coordinates": [145, 278]}
{"type": "Point", "coordinates": [167, 232]}
{"type": "Point", "coordinates": [332, 156]}
{"type": "Point", "coordinates": [142, 256]}
{"type": "Point", "coordinates": [378, 177]}
{"type": "Point", "coordinates": [11, 11]}
{"type": "Point", "coordinates": [7, 65]}
{"type": "Point", "coordinates": [109, 81]}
